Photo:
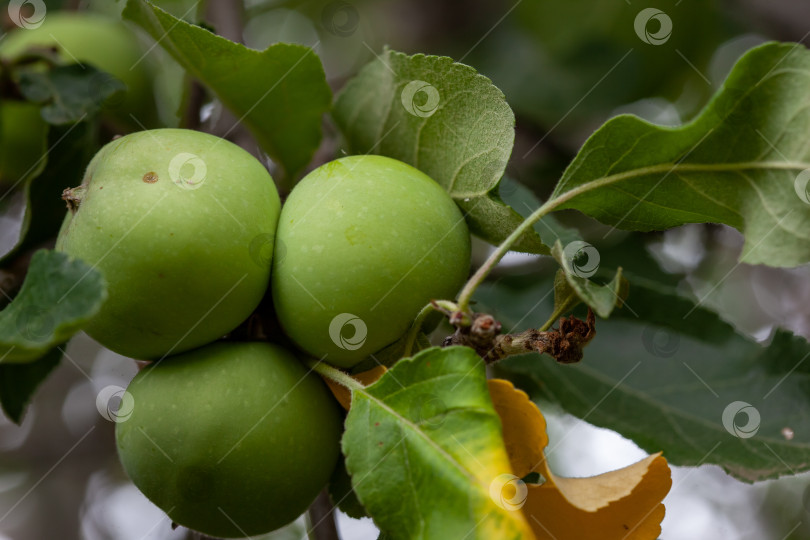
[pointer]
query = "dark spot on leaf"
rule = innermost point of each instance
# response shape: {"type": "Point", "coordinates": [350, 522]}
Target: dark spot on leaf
{"type": "Point", "coordinates": [150, 177]}
{"type": "Point", "coordinates": [376, 423]}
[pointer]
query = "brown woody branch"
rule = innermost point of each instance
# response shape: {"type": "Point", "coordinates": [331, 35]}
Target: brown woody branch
{"type": "Point", "coordinates": [565, 344]}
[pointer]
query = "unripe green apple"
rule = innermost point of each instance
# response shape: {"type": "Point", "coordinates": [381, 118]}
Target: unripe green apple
{"type": "Point", "coordinates": [368, 242]}
{"type": "Point", "coordinates": [232, 439]}
{"type": "Point", "coordinates": [104, 42]}
{"type": "Point", "coordinates": [22, 141]}
{"type": "Point", "coordinates": [181, 224]}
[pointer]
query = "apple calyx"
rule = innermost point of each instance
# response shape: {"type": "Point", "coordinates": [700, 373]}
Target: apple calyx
{"type": "Point", "coordinates": [73, 197]}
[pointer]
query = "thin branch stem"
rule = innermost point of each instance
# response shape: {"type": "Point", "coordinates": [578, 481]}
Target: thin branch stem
{"type": "Point", "coordinates": [194, 100]}
{"type": "Point", "coordinates": [413, 332]}
{"type": "Point", "coordinates": [551, 320]}
{"type": "Point", "coordinates": [335, 374]}
{"type": "Point", "coordinates": [321, 516]}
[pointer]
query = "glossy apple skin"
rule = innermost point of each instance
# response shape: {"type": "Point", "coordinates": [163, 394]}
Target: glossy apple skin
{"type": "Point", "coordinates": [183, 266]}
{"type": "Point", "coordinates": [367, 236]}
{"type": "Point", "coordinates": [106, 43]}
{"type": "Point", "coordinates": [230, 430]}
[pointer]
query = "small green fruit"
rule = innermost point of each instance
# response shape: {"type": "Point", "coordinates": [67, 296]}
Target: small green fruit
{"type": "Point", "coordinates": [368, 241]}
{"type": "Point", "coordinates": [181, 224]}
{"type": "Point", "coordinates": [107, 44]}
{"type": "Point", "coordinates": [232, 440]}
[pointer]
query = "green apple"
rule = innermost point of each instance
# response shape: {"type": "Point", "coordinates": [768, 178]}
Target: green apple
{"type": "Point", "coordinates": [368, 242]}
{"type": "Point", "coordinates": [23, 135]}
{"type": "Point", "coordinates": [104, 42]}
{"type": "Point", "coordinates": [181, 224]}
{"type": "Point", "coordinates": [232, 439]}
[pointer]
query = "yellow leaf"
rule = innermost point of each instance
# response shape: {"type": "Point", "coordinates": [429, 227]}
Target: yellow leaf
{"type": "Point", "coordinates": [629, 502]}
{"type": "Point", "coordinates": [592, 494]}
{"type": "Point", "coordinates": [523, 427]}
{"type": "Point", "coordinates": [342, 393]}
{"type": "Point", "coordinates": [618, 505]}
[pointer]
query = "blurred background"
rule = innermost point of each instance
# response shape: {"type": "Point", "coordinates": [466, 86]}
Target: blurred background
{"type": "Point", "coordinates": [565, 68]}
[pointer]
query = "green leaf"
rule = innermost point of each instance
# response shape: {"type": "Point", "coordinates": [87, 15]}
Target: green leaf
{"type": "Point", "coordinates": [19, 381]}
{"type": "Point", "coordinates": [444, 119]}
{"type": "Point", "coordinates": [665, 378]}
{"type": "Point", "coordinates": [664, 307]}
{"type": "Point", "coordinates": [38, 208]}
{"type": "Point", "coordinates": [565, 297]}
{"type": "Point", "coordinates": [69, 93]}
{"type": "Point", "coordinates": [492, 220]}
{"type": "Point", "coordinates": [280, 93]}
{"type": "Point", "coordinates": [739, 162]}
{"type": "Point", "coordinates": [579, 261]}
{"type": "Point", "coordinates": [426, 436]}
{"type": "Point", "coordinates": [59, 295]}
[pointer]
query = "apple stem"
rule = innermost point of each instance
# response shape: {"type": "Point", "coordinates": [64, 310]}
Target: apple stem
{"type": "Point", "coordinates": [334, 374]}
{"type": "Point", "coordinates": [321, 516]}
{"type": "Point", "coordinates": [413, 332]}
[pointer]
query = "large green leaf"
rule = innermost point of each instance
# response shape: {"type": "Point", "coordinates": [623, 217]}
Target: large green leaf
{"type": "Point", "coordinates": [423, 446]}
{"type": "Point", "coordinates": [664, 373]}
{"type": "Point", "coordinates": [280, 93]}
{"type": "Point", "coordinates": [738, 163]}
{"type": "Point", "coordinates": [444, 119]}
{"type": "Point", "coordinates": [59, 295]}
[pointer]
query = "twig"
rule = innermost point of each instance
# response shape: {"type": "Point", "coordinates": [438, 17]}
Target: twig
{"type": "Point", "coordinates": [564, 344]}
{"type": "Point", "coordinates": [322, 519]}
{"type": "Point", "coordinates": [194, 103]}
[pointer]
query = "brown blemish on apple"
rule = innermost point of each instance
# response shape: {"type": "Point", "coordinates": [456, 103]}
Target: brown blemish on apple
{"type": "Point", "coordinates": [150, 177]}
